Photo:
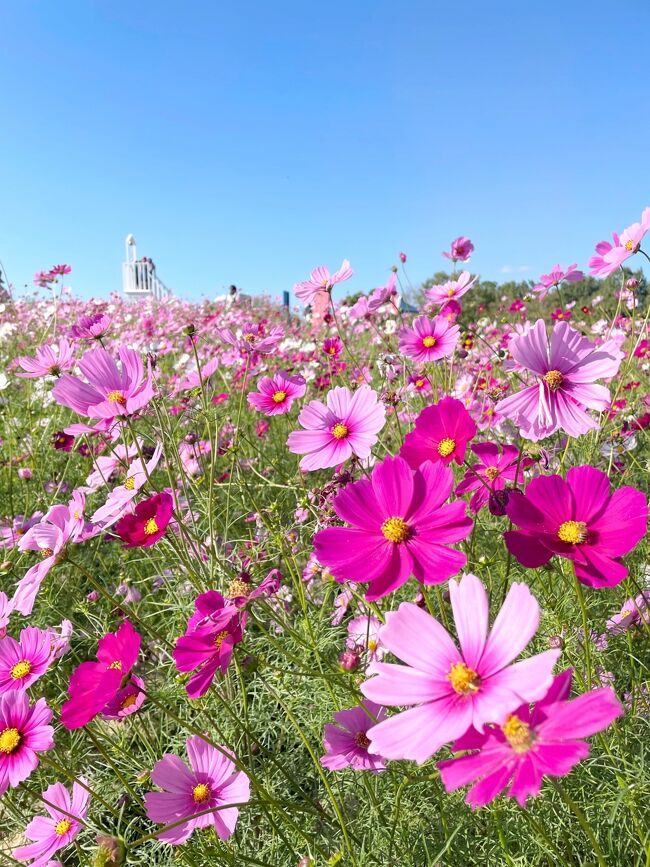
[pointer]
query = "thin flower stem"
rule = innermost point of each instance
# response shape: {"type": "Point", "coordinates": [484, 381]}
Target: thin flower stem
{"type": "Point", "coordinates": [582, 820]}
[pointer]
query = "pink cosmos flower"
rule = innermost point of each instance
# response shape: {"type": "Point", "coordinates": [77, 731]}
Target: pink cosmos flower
{"type": "Point", "coordinates": [399, 527]}
{"type": "Point", "coordinates": [611, 256]}
{"type": "Point", "coordinates": [379, 296]}
{"type": "Point", "coordinates": [428, 339]}
{"type": "Point", "coordinates": [6, 610]}
{"type": "Point", "coordinates": [60, 270]}
{"type": "Point", "coordinates": [566, 371]}
{"type": "Point", "coordinates": [110, 392]}
{"type": "Point", "coordinates": [90, 327]}
{"type": "Point", "coordinates": [579, 520]}
{"type": "Point", "coordinates": [148, 522]}
{"type": "Point", "coordinates": [212, 632]}
{"type": "Point", "coordinates": [106, 465]}
{"type": "Point", "coordinates": [555, 277]}
{"type": "Point", "coordinates": [320, 280]}
{"type": "Point", "coordinates": [461, 249]}
{"type": "Point", "coordinates": [126, 701]}
{"type": "Point", "coordinates": [94, 684]}
{"type": "Point", "coordinates": [442, 432]}
{"type": "Point", "coordinates": [58, 829]}
{"type": "Point", "coordinates": [211, 783]}
{"type": "Point", "coordinates": [254, 338]}
{"type": "Point", "coordinates": [346, 743]}
{"type": "Point", "coordinates": [52, 360]}
{"type": "Point", "coordinates": [363, 634]}
{"type": "Point", "coordinates": [634, 611]}
{"type": "Point", "coordinates": [332, 347]}
{"type": "Point", "coordinates": [24, 732]}
{"type": "Point", "coordinates": [545, 740]}
{"type": "Point", "coordinates": [491, 473]}
{"type": "Point", "coordinates": [276, 394]}
{"type": "Point", "coordinates": [121, 496]}
{"type": "Point", "coordinates": [194, 380]}
{"type": "Point", "coordinates": [348, 425]}
{"type": "Point", "coordinates": [451, 290]}
{"type": "Point", "coordinates": [359, 309]}
{"type": "Point", "coordinates": [11, 534]}
{"type": "Point", "coordinates": [451, 689]}
{"type": "Point", "coordinates": [23, 662]}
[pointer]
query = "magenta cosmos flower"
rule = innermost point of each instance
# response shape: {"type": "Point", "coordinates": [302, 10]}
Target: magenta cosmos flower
{"type": "Point", "coordinates": [148, 523]}
{"type": "Point", "coordinates": [24, 732]}
{"type": "Point", "coordinates": [428, 339]}
{"type": "Point", "coordinates": [556, 276]}
{"type": "Point", "coordinates": [90, 327]}
{"type": "Point", "coordinates": [94, 684]}
{"type": "Point", "coordinates": [110, 392]}
{"type": "Point", "coordinates": [566, 370]}
{"type": "Point", "coordinates": [579, 520]}
{"type": "Point", "coordinates": [348, 425]}
{"type": "Point", "coordinates": [461, 249]}
{"type": "Point", "coordinates": [610, 256]}
{"type": "Point", "coordinates": [545, 740]}
{"type": "Point", "coordinates": [442, 432]}
{"type": "Point", "coordinates": [23, 662]}
{"type": "Point", "coordinates": [451, 290]}
{"type": "Point", "coordinates": [58, 829]}
{"type": "Point", "coordinates": [276, 394]}
{"type": "Point", "coordinates": [453, 689]}
{"type": "Point", "coordinates": [346, 743]}
{"type": "Point", "coordinates": [494, 469]}
{"type": "Point", "coordinates": [320, 280]}
{"type": "Point", "coordinates": [399, 527]}
{"type": "Point", "coordinates": [210, 783]}
{"type": "Point", "coordinates": [52, 360]}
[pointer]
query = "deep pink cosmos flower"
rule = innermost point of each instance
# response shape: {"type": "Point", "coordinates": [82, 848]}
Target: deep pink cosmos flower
{"type": "Point", "coordinates": [428, 339]}
{"type": "Point", "coordinates": [579, 520]}
{"type": "Point", "coordinates": [147, 523]}
{"type": "Point", "coordinates": [62, 441]}
{"type": "Point", "coordinates": [566, 372]}
{"type": "Point", "coordinates": [611, 256]}
{"type": "Point", "coordinates": [211, 783]}
{"type": "Point", "coordinates": [24, 732]}
{"type": "Point", "coordinates": [346, 743]}
{"type": "Point", "coordinates": [493, 470]}
{"type": "Point", "coordinates": [52, 360]}
{"type": "Point", "coordinates": [453, 689]}
{"type": "Point", "coordinates": [110, 392]}
{"type": "Point", "coordinates": [212, 632]}
{"type": "Point", "coordinates": [348, 425]}
{"type": "Point", "coordinates": [461, 249]}
{"type": "Point", "coordinates": [126, 701]}
{"type": "Point", "coordinates": [23, 662]}
{"type": "Point", "coordinates": [320, 280]}
{"type": "Point", "coordinates": [60, 270]}
{"type": "Point", "coordinates": [58, 829]}
{"type": "Point", "coordinates": [332, 347]}
{"type": "Point", "coordinates": [545, 740]}
{"type": "Point", "coordinates": [451, 290]}
{"type": "Point", "coordinates": [442, 432]}
{"type": "Point", "coordinates": [555, 277]}
{"type": "Point", "coordinates": [254, 338]}
{"type": "Point", "coordinates": [400, 527]}
{"type": "Point", "coordinates": [94, 684]}
{"type": "Point", "coordinates": [121, 496]}
{"type": "Point", "coordinates": [276, 394]}
{"type": "Point", "coordinates": [90, 327]}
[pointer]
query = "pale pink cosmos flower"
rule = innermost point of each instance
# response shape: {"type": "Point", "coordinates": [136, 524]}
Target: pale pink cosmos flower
{"type": "Point", "coordinates": [461, 249]}
{"type": "Point", "coordinates": [106, 465]}
{"type": "Point", "coordinates": [320, 280]}
{"type": "Point", "coordinates": [348, 425]}
{"type": "Point", "coordinates": [253, 338]}
{"type": "Point", "coordinates": [49, 360]}
{"type": "Point", "coordinates": [429, 339]}
{"type": "Point", "coordinates": [118, 501]}
{"type": "Point", "coordinates": [58, 829]}
{"type": "Point", "coordinates": [611, 256]}
{"type": "Point", "coordinates": [451, 290]}
{"type": "Point", "coordinates": [194, 379]}
{"type": "Point", "coordinates": [90, 327]}
{"type": "Point", "coordinates": [382, 294]}
{"type": "Point", "coordinates": [556, 275]}
{"type": "Point", "coordinates": [276, 394]}
{"type": "Point", "coordinates": [453, 689]}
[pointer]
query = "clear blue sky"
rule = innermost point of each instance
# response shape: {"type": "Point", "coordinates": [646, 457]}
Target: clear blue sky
{"type": "Point", "coordinates": [248, 142]}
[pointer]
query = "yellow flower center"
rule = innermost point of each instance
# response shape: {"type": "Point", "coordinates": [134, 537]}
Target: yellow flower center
{"type": "Point", "coordinates": [450, 293]}
{"type": "Point", "coordinates": [129, 484]}
{"type": "Point", "coordinates": [237, 588]}
{"type": "Point", "coordinates": [518, 734]}
{"type": "Point", "coordinates": [331, 350]}
{"type": "Point", "coordinates": [419, 383]}
{"type": "Point", "coordinates": [218, 641]}
{"type": "Point", "coordinates": [429, 341]}
{"type": "Point", "coordinates": [372, 645]}
{"type": "Point", "coordinates": [463, 679]}
{"type": "Point", "coordinates": [62, 827]}
{"type": "Point", "coordinates": [9, 741]}
{"type": "Point", "coordinates": [491, 473]}
{"type": "Point", "coordinates": [116, 397]}
{"type": "Point", "coordinates": [339, 431]}
{"type": "Point", "coordinates": [629, 245]}
{"type": "Point", "coordinates": [361, 740]}
{"type": "Point", "coordinates": [21, 669]}
{"type": "Point", "coordinates": [128, 701]}
{"type": "Point", "coordinates": [573, 532]}
{"type": "Point", "coordinates": [446, 447]}
{"type": "Point", "coordinates": [151, 527]}
{"type": "Point", "coordinates": [116, 665]}
{"type": "Point", "coordinates": [279, 396]}
{"type": "Point", "coordinates": [395, 530]}
{"type": "Point", "coordinates": [553, 379]}
{"type": "Point", "coordinates": [201, 793]}
{"type": "Point", "coordinates": [249, 338]}
{"type": "Point", "coordinates": [46, 552]}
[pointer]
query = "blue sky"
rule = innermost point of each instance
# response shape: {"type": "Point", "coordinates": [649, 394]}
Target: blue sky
{"type": "Point", "coordinates": [248, 142]}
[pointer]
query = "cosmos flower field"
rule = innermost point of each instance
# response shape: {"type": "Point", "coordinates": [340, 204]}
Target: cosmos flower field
{"type": "Point", "coordinates": [359, 583]}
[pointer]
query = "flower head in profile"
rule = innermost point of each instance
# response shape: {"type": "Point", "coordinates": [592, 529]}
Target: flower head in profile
{"type": "Point", "coordinates": [579, 520]}
{"type": "Point", "coordinates": [346, 742]}
{"type": "Point", "coordinates": [346, 425]}
{"type": "Point", "coordinates": [382, 294]}
{"type": "Point", "coordinates": [461, 249]}
{"type": "Point", "coordinates": [24, 732]}
{"type": "Point", "coordinates": [400, 527]}
{"type": "Point", "coordinates": [90, 327]}
{"type": "Point", "coordinates": [253, 338]}
{"type": "Point", "coordinates": [119, 499]}
{"type": "Point", "coordinates": [495, 469]}
{"type": "Point", "coordinates": [428, 339]}
{"type": "Point", "coordinates": [442, 432]}
{"type": "Point", "coordinates": [453, 689]}
{"type": "Point", "coordinates": [320, 280]}
{"type": "Point", "coordinates": [276, 394]}
{"type": "Point", "coordinates": [59, 828]}
{"type": "Point", "coordinates": [211, 783]}
{"type": "Point", "coordinates": [148, 522]}
{"type": "Point", "coordinates": [635, 611]}
{"type": "Point", "coordinates": [126, 701]}
{"type": "Point", "coordinates": [48, 361]}
{"type": "Point", "coordinates": [452, 290]}
{"type": "Point", "coordinates": [556, 276]}
{"type": "Point", "coordinates": [22, 662]}
{"type": "Point", "coordinates": [610, 256]}
{"type": "Point", "coordinates": [531, 743]}
{"type": "Point", "coordinates": [566, 370]}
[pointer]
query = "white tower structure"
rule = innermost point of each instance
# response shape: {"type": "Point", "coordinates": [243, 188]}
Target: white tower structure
{"type": "Point", "coordinates": [139, 278]}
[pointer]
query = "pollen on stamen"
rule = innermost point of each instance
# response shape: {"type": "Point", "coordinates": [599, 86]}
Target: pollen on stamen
{"type": "Point", "coordinates": [62, 827]}
{"type": "Point", "coordinates": [218, 640]}
{"type": "Point", "coordinates": [129, 483]}
{"type": "Point", "coordinates": [116, 397]}
{"type": "Point", "coordinates": [429, 341]}
{"type": "Point", "coordinates": [116, 665]}
{"type": "Point", "coordinates": [361, 740]}
{"type": "Point", "coordinates": [9, 741]}
{"type": "Point", "coordinates": [21, 669]}
{"type": "Point", "coordinates": [491, 473]}
{"type": "Point", "coordinates": [553, 379]}
{"type": "Point", "coordinates": [279, 396]}
{"type": "Point", "coordinates": [201, 793]}
{"type": "Point", "coordinates": [395, 530]}
{"type": "Point", "coordinates": [446, 447]}
{"type": "Point", "coordinates": [340, 431]}
{"type": "Point", "coordinates": [464, 680]}
{"type": "Point", "coordinates": [518, 734]}
{"type": "Point", "coordinates": [151, 527]}
{"type": "Point", "coordinates": [573, 532]}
